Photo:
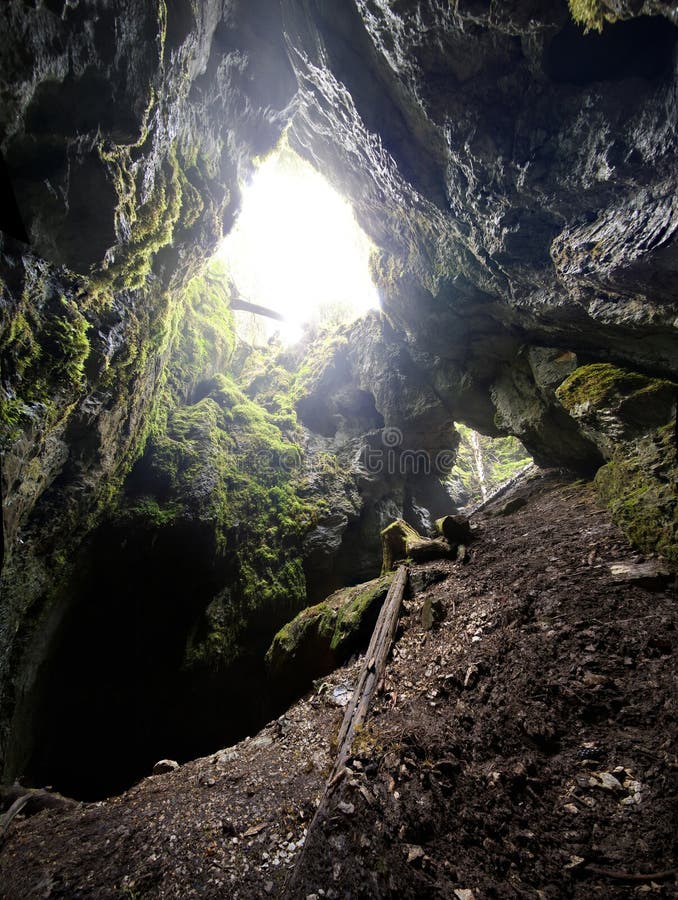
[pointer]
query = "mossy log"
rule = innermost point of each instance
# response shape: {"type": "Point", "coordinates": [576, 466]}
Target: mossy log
{"type": "Point", "coordinates": [455, 529]}
{"type": "Point", "coordinates": [400, 541]}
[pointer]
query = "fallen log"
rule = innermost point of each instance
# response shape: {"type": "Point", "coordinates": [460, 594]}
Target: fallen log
{"type": "Point", "coordinates": [29, 801]}
{"type": "Point", "coordinates": [371, 675]}
{"type": "Point", "coordinates": [399, 542]}
{"type": "Point", "coordinates": [373, 668]}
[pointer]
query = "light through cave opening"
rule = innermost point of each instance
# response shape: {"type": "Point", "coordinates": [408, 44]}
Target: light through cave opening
{"type": "Point", "coordinates": [297, 250]}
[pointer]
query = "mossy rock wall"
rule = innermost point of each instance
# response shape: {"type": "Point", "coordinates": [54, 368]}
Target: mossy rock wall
{"type": "Point", "coordinates": [632, 419]}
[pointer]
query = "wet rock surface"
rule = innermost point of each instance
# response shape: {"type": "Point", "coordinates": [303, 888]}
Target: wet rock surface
{"type": "Point", "coordinates": [524, 743]}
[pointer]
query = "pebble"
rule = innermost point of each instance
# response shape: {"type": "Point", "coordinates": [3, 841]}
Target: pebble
{"type": "Point", "coordinates": [608, 780]}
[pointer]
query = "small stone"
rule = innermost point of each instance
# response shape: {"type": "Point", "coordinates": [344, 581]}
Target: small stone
{"type": "Point", "coordinates": [571, 808]}
{"type": "Point", "coordinates": [471, 677]}
{"type": "Point", "coordinates": [347, 808]}
{"type": "Point", "coordinates": [590, 679]}
{"type": "Point", "coordinates": [464, 894]}
{"type": "Point", "coordinates": [608, 781]}
{"type": "Point", "coordinates": [512, 506]}
{"type": "Point", "coordinates": [432, 613]}
{"type": "Point", "coordinates": [163, 766]}
{"type": "Point", "coordinates": [341, 695]}
{"type": "Point", "coordinates": [414, 853]}
{"type": "Point", "coordinates": [268, 887]}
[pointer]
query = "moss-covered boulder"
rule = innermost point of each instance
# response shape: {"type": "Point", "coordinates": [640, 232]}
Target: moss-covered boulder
{"type": "Point", "coordinates": [614, 405]}
{"type": "Point", "coordinates": [455, 529]}
{"type": "Point", "coordinates": [323, 636]}
{"type": "Point", "coordinates": [632, 419]}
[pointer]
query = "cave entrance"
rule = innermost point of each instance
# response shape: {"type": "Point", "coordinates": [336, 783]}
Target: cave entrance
{"type": "Point", "coordinates": [297, 251]}
{"type": "Point", "coordinates": [483, 466]}
{"type": "Point", "coordinates": [114, 694]}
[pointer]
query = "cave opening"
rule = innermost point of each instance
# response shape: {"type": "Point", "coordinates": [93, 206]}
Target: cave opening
{"type": "Point", "coordinates": [116, 690]}
{"type": "Point", "coordinates": [297, 251]}
{"type": "Point", "coordinates": [114, 693]}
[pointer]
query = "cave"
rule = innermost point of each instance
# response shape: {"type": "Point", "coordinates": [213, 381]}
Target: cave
{"type": "Point", "coordinates": [338, 386]}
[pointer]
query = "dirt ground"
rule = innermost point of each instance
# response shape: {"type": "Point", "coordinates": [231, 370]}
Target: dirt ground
{"type": "Point", "coordinates": [523, 746]}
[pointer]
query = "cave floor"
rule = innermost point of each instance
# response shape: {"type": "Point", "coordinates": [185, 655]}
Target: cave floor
{"type": "Point", "coordinates": [525, 746]}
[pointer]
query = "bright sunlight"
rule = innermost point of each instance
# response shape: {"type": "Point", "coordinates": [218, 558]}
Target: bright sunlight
{"type": "Point", "coordinates": [298, 250]}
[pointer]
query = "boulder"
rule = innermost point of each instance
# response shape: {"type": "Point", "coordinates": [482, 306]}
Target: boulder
{"type": "Point", "coordinates": [324, 636]}
{"type": "Point", "coordinates": [163, 766]}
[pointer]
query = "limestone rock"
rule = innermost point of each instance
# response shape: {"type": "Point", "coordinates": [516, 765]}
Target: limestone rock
{"type": "Point", "coordinates": [163, 766]}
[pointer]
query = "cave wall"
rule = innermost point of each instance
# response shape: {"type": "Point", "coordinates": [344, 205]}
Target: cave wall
{"type": "Point", "coordinates": [516, 175]}
{"type": "Point", "coordinates": [125, 129]}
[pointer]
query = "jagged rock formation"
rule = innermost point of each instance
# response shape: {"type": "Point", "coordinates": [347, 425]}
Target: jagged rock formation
{"type": "Point", "coordinates": [518, 179]}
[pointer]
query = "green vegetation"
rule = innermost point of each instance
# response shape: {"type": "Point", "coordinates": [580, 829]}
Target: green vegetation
{"type": "Point", "coordinates": [632, 419]}
{"type": "Point", "coordinates": [222, 452]}
{"type": "Point", "coordinates": [325, 635]}
{"type": "Point", "coordinates": [599, 383]}
{"type": "Point", "coordinates": [483, 463]}
{"type": "Point", "coordinates": [46, 347]}
{"type": "Point", "coordinates": [592, 14]}
{"type": "Point", "coordinates": [639, 485]}
{"type": "Point", "coordinates": [151, 225]}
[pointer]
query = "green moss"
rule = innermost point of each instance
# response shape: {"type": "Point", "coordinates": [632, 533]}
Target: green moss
{"type": "Point", "coordinates": [639, 487]}
{"type": "Point", "coordinates": [354, 614]}
{"type": "Point", "coordinates": [226, 461]}
{"type": "Point", "coordinates": [320, 361]}
{"type": "Point", "coordinates": [151, 223]}
{"type": "Point", "coordinates": [323, 636]}
{"type": "Point", "coordinates": [149, 512]}
{"type": "Point", "coordinates": [45, 348]}
{"type": "Point", "coordinates": [395, 541]}
{"type": "Point", "coordinates": [598, 383]}
{"type": "Point", "coordinates": [592, 14]}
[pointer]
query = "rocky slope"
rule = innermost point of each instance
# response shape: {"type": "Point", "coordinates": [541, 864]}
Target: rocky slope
{"type": "Point", "coordinates": [518, 179]}
{"type": "Point", "coordinates": [524, 742]}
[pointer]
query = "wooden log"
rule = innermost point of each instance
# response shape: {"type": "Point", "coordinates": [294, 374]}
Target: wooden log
{"type": "Point", "coordinates": [370, 677]}
{"type": "Point", "coordinates": [28, 801]}
{"type": "Point", "coordinates": [239, 303]}
{"type": "Point", "coordinates": [373, 668]}
{"type": "Point", "coordinates": [399, 541]}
